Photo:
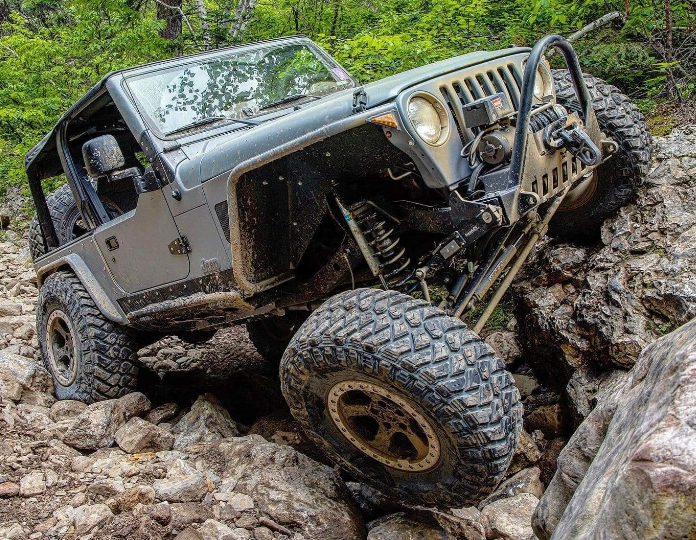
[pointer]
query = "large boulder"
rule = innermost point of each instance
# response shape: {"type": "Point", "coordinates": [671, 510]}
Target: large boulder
{"type": "Point", "coordinates": [586, 310]}
{"type": "Point", "coordinates": [629, 471]}
{"type": "Point", "coordinates": [206, 421]}
{"type": "Point", "coordinates": [287, 487]}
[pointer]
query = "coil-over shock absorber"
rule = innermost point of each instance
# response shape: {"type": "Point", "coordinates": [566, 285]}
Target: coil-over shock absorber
{"type": "Point", "coordinates": [380, 244]}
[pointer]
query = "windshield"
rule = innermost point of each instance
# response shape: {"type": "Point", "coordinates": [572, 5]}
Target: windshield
{"type": "Point", "coordinates": [235, 86]}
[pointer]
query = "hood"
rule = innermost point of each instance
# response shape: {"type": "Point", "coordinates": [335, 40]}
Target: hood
{"type": "Point", "coordinates": [216, 155]}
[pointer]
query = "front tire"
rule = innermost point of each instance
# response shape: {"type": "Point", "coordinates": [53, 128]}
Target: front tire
{"type": "Point", "coordinates": [614, 182]}
{"type": "Point", "coordinates": [403, 397]}
{"type": "Point", "coordinates": [89, 357]}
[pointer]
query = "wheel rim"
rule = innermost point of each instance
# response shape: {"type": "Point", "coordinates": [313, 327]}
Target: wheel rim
{"type": "Point", "coordinates": [581, 193]}
{"type": "Point", "coordinates": [382, 425]}
{"type": "Point", "coordinates": [61, 347]}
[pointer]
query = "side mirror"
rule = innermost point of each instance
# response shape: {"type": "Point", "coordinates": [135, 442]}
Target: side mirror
{"type": "Point", "coordinates": [102, 156]}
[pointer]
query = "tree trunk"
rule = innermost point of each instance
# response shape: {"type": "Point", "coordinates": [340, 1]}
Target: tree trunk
{"type": "Point", "coordinates": [203, 15]}
{"type": "Point", "coordinates": [242, 14]}
{"type": "Point", "coordinates": [170, 11]}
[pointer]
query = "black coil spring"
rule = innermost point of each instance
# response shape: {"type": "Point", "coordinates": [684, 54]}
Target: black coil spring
{"type": "Point", "coordinates": [395, 265]}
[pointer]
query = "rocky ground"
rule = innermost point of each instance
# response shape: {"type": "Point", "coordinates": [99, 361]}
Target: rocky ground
{"type": "Point", "coordinates": [207, 450]}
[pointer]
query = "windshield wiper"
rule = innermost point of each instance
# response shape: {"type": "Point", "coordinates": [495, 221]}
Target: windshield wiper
{"type": "Point", "coordinates": [288, 99]}
{"type": "Point", "coordinates": [210, 120]}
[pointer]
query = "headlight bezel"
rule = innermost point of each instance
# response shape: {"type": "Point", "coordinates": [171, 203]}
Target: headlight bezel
{"type": "Point", "coordinates": [442, 116]}
{"type": "Point", "coordinates": [547, 85]}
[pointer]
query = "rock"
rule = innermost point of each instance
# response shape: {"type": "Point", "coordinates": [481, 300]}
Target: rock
{"type": "Point", "coordinates": [551, 420]}
{"type": "Point", "coordinates": [10, 388]}
{"type": "Point", "coordinates": [403, 526]}
{"type": "Point", "coordinates": [89, 517]}
{"type": "Point", "coordinates": [8, 489]}
{"type": "Point", "coordinates": [160, 512]}
{"type": "Point", "coordinates": [525, 384]}
{"type": "Point", "coordinates": [137, 436]}
{"type": "Point", "coordinates": [263, 533]}
{"type": "Point", "coordinates": [506, 346]}
{"type": "Point", "coordinates": [162, 413]}
{"type": "Point", "coordinates": [241, 502]}
{"type": "Point", "coordinates": [135, 495]}
{"type": "Point", "coordinates": [547, 462]}
{"type": "Point", "coordinates": [5, 218]}
{"type": "Point", "coordinates": [372, 503]}
{"type": "Point", "coordinates": [629, 471]}
{"type": "Point", "coordinates": [189, 534]}
{"type": "Point", "coordinates": [134, 404]}
{"type": "Point", "coordinates": [526, 454]}
{"type": "Point", "coordinates": [290, 488]}
{"type": "Point", "coordinates": [10, 309]}
{"type": "Point", "coordinates": [66, 409]}
{"type": "Point", "coordinates": [207, 421]}
{"type": "Point", "coordinates": [96, 426]}
{"type": "Point", "coordinates": [26, 371]}
{"type": "Point", "coordinates": [185, 514]}
{"type": "Point", "coordinates": [525, 481]}
{"type": "Point", "coordinates": [106, 488]}
{"type": "Point", "coordinates": [510, 519]}
{"type": "Point", "coordinates": [214, 530]}
{"type": "Point", "coordinates": [13, 532]}
{"type": "Point", "coordinates": [32, 484]}
{"type": "Point", "coordinates": [183, 484]}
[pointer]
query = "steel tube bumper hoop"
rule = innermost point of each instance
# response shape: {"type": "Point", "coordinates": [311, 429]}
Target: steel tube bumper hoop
{"type": "Point", "coordinates": [527, 97]}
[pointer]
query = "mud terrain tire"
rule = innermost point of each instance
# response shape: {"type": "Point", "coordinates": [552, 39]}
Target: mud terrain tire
{"type": "Point", "coordinates": [367, 354]}
{"type": "Point", "coordinates": [614, 183]}
{"type": "Point", "coordinates": [90, 358]}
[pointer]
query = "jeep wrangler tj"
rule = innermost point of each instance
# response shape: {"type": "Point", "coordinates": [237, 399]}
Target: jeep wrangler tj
{"type": "Point", "coordinates": [351, 228]}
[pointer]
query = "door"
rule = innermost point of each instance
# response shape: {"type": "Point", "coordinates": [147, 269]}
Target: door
{"type": "Point", "coordinates": [136, 246]}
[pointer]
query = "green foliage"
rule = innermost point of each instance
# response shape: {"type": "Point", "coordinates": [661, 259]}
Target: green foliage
{"type": "Point", "coordinates": [52, 51]}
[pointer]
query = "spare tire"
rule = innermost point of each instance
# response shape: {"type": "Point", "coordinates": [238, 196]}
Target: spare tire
{"type": "Point", "coordinates": [66, 218]}
{"type": "Point", "coordinates": [613, 183]}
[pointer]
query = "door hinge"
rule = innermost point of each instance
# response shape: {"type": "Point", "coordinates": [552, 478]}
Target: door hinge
{"type": "Point", "coordinates": [180, 246]}
{"type": "Point", "coordinates": [359, 100]}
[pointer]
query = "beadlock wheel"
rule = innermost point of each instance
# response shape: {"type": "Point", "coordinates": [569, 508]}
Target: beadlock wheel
{"type": "Point", "coordinates": [61, 347]}
{"type": "Point", "coordinates": [381, 424]}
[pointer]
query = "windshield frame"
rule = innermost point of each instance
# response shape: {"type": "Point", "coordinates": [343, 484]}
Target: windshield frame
{"type": "Point", "coordinates": [197, 59]}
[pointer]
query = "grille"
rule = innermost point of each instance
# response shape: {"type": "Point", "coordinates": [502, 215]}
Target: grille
{"type": "Point", "coordinates": [506, 79]}
{"type": "Point", "coordinates": [224, 218]}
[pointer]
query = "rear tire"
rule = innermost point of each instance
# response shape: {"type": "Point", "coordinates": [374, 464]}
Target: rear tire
{"type": "Point", "coordinates": [89, 357]}
{"type": "Point", "coordinates": [403, 397]}
{"type": "Point", "coordinates": [585, 208]}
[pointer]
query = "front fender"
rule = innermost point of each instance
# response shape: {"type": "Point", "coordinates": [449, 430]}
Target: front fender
{"type": "Point", "coordinates": [106, 306]}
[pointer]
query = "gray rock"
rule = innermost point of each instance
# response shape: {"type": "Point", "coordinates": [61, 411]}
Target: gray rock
{"type": "Point", "coordinates": [96, 426]}
{"type": "Point", "coordinates": [526, 454]}
{"type": "Point", "coordinates": [183, 484]}
{"type": "Point", "coordinates": [13, 532]}
{"type": "Point", "coordinates": [507, 347]}
{"type": "Point", "coordinates": [137, 436]}
{"type": "Point", "coordinates": [402, 526]}
{"type": "Point", "coordinates": [106, 488]}
{"type": "Point", "coordinates": [206, 421]}
{"type": "Point", "coordinates": [290, 488]}
{"type": "Point", "coordinates": [214, 530]}
{"type": "Point", "coordinates": [185, 514]}
{"type": "Point", "coordinates": [510, 519]}
{"type": "Point", "coordinates": [10, 309]}
{"type": "Point", "coordinates": [32, 484]}
{"type": "Point", "coordinates": [160, 512]}
{"type": "Point", "coordinates": [162, 413]}
{"type": "Point", "coordinates": [90, 517]}
{"type": "Point", "coordinates": [525, 384]}
{"type": "Point", "coordinates": [629, 471]}
{"type": "Point", "coordinates": [525, 481]}
{"type": "Point", "coordinates": [134, 404]}
{"type": "Point", "coordinates": [66, 409]}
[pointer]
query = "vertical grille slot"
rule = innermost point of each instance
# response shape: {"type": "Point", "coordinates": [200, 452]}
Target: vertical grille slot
{"type": "Point", "coordinates": [474, 88]}
{"type": "Point", "coordinates": [512, 88]}
{"type": "Point", "coordinates": [455, 110]}
{"type": "Point", "coordinates": [463, 93]}
{"type": "Point", "coordinates": [223, 216]}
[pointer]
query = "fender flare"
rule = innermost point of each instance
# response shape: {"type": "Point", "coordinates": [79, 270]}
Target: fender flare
{"type": "Point", "coordinates": [106, 306]}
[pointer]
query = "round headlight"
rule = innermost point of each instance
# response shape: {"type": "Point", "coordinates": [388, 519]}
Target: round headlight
{"type": "Point", "coordinates": [425, 119]}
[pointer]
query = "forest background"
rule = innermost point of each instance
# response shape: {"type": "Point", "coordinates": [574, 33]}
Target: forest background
{"type": "Point", "coordinates": [52, 51]}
